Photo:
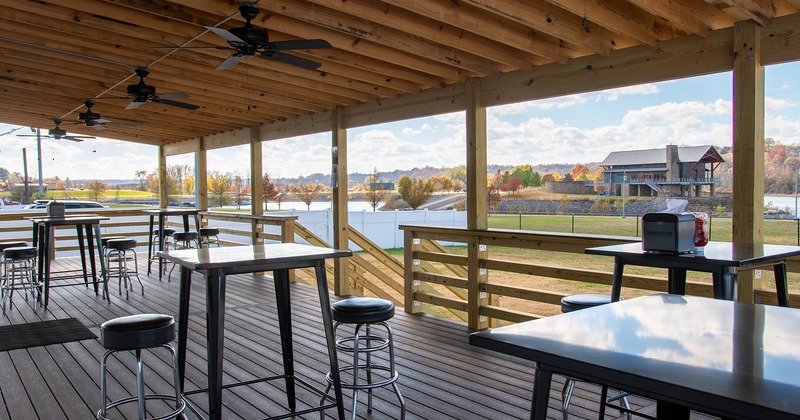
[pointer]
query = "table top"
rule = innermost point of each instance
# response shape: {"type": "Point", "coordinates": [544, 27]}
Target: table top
{"type": "Point", "coordinates": [733, 357]}
{"type": "Point", "coordinates": [175, 211]}
{"type": "Point", "coordinates": [69, 219]}
{"type": "Point", "coordinates": [718, 253]}
{"type": "Point", "coordinates": [241, 257]}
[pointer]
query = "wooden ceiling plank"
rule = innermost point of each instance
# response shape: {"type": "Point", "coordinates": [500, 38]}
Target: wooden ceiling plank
{"type": "Point", "coordinates": [435, 31]}
{"type": "Point", "coordinates": [361, 28]}
{"type": "Point", "coordinates": [694, 16]}
{"type": "Point", "coordinates": [618, 16]}
{"type": "Point", "coordinates": [490, 26]}
{"type": "Point", "coordinates": [760, 11]}
{"type": "Point", "coordinates": [557, 22]}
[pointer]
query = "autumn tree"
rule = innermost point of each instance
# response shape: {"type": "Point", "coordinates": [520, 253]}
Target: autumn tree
{"type": "Point", "coordinates": [415, 193]}
{"type": "Point", "coordinates": [495, 182]}
{"type": "Point", "coordinates": [442, 183]}
{"type": "Point", "coordinates": [375, 193]}
{"type": "Point", "coordinates": [525, 175]}
{"type": "Point", "coordinates": [579, 172]}
{"type": "Point", "coordinates": [219, 185]}
{"type": "Point", "coordinates": [97, 189]}
{"type": "Point", "coordinates": [511, 185]}
{"type": "Point", "coordinates": [307, 193]}
{"type": "Point", "coordinates": [271, 192]}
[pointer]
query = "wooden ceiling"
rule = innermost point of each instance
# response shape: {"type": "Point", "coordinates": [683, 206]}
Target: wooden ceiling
{"type": "Point", "coordinates": [58, 53]}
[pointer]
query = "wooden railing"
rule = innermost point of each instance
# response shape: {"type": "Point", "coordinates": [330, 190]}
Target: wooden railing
{"type": "Point", "coordinates": [437, 280]}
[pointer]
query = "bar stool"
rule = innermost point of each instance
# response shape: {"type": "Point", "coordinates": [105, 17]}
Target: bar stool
{"type": "Point", "coordinates": [119, 254]}
{"type": "Point", "coordinates": [183, 240]}
{"type": "Point", "coordinates": [208, 236]}
{"type": "Point", "coordinates": [19, 262]}
{"type": "Point", "coordinates": [134, 333]}
{"type": "Point", "coordinates": [168, 232]}
{"type": "Point", "coordinates": [368, 312]}
{"type": "Point", "coordinates": [575, 303]}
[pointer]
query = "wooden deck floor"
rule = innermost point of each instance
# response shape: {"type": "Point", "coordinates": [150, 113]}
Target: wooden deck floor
{"type": "Point", "coordinates": [441, 375]}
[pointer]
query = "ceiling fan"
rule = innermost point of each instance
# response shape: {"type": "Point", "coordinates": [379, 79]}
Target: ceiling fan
{"type": "Point", "coordinates": [58, 133]}
{"type": "Point", "coordinates": [247, 41]}
{"type": "Point", "coordinates": [141, 93]}
{"type": "Point", "coordinates": [93, 119]}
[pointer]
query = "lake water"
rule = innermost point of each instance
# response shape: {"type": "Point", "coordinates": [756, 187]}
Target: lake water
{"type": "Point", "coordinates": [781, 202]}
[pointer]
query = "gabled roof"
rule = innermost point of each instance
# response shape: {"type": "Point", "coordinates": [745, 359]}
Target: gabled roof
{"type": "Point", "coordinates": [690, 154]}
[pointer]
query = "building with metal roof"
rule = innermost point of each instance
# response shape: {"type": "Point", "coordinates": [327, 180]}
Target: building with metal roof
{"type": "Point", "coordinates": [668, 172]}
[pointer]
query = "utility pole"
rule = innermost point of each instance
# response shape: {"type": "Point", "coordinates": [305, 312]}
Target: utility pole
{"type": "Point", "coordinates": [27, 192]}
{"type": "Point", "coordinates": [39, 158]}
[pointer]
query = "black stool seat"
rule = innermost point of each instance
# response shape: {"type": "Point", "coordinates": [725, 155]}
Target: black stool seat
{"type": "Point", "coordinates": [167, 231]}
{"type": "Point", "coordinates": [185, 236]}
{"type": "Point", "coordinates": [137, 331]}
{"type": "Point", "coordinates": [362, 310]}
{"type": "Point", "coordinates": [6, 245]}
{"type": "Point", "coordinates": [209, 231]}
{"type": "Point", "coordinates": [105, 239]}
{"type": "Point", "coordinates": [121, 243]}
{"type": "Point", "coordinates": [582, 301]}
{"type": "Point", "coordinates": [19, 252]}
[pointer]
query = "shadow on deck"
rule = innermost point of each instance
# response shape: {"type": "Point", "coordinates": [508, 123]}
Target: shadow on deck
{"type": "Point", "coordinates": [441, 375]}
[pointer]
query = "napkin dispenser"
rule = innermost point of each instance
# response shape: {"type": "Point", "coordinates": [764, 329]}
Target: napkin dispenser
{"type": "Point", "coordinates": [55, 209]}
{"type": "Point", "coordinates": [668, 232]}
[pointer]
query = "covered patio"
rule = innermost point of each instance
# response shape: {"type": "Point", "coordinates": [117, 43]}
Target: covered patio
{"type": "Point", "coordinates": [387, 61]}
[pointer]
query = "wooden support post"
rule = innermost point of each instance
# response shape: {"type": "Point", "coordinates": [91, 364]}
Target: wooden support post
{"type": "Point", "coordinates": [163, 194]}
{"type": "Point", "coordinates": [477, 192]}
{"type": "Point", "coordinates": [409, 245]}
{"type": "Point", "coordinates": [201, 176]}
{"type": "Point", "coordinates": [341, 281]}
{"type": "Point", "coordinates": [256, 186]}
{"type": "Point", "coordinates": [748, 145]}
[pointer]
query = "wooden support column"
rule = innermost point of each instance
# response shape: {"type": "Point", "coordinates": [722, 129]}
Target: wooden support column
{"type": "Point", "coordinates": [477, 190]}
{"type": "Point", "coordinates": [748, 145]}
{"type": "Point", "coordinates": [201, 176]}
{"type": "Point", "coordinates": [256, 186]}
{"type": "Point", "coordinates": [163, 194]}
{"type": "Point", "coordinates": [341, 283]}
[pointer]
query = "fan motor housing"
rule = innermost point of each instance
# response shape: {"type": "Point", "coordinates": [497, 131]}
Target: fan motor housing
{"type": "Point", "coordinates": [255, 37]}
{"type": "Point", "coordinates": [141, 89]}
{"type": "Point", "coordinates": [88, 116]}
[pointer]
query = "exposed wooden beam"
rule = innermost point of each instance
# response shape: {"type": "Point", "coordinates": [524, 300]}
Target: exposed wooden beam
{"type": "Point", "coordinates": [693, 16]}
{"type": "Point", "coordinates": [761, 11]}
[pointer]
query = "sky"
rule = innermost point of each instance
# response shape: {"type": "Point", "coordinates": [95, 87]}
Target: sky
{"type": "Point", "coordinates": [573, 129]}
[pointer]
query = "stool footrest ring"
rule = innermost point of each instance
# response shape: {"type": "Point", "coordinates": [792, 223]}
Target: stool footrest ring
{"type": "Point", "coordinates": [132, 399]}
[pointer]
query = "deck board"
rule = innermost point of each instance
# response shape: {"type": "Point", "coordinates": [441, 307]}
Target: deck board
{"type": "Point", "coordinates": [441, 375]}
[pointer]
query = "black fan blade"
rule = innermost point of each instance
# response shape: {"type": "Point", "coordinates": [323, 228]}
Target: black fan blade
{"type": "Point", "coordinates": [301, 44]}
{"type": "Point", "coordinates": [230, 62]}
{"type": "Point", "coordinates": [291, 59]}
{"type": "Point", "coordinates": [172, 95]}
{"type": "Point", "coordinates": [75, 139]}
{"type": "Point", "coordinates": [183, 105]}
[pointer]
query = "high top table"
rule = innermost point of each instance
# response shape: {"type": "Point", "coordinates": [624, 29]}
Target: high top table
{"type": "Point", "coordinates": [216, 264]}
{"type": "Point", "coordinates": [162, 215]}
{"type": "Point", "coordinates": [728, 359]}
{"type": "Point", "coordinates": [43, 238]}
{"type": "Point", "coordinates": [722, 259]}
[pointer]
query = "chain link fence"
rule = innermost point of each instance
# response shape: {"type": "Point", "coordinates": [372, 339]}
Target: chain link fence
{"type": "Point", "coordinates": [776, 231]}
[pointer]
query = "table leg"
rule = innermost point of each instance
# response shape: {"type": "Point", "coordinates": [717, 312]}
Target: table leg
{"type": "Point", "coordinates": [676, 281]}
{"type": "Point", "coordinates": [161, 219]}
{"type": "Point", "coordinates": [215, 318]}
{"type": "Point", "coordinates": [330, 337]}
{"type": "Point", "coordinates": [45, 235]}
{"type": "Point", "coordinates": [37, 242]}
{"type": "Point", "coordinates": [729, 280]}
{"type": "Point", "coordinates": [92, 239]}
{"type": "Point", "coordinates": [780, 283]}
{"type": "Point", "coordinates": [82, 248]}
{"type": "Point", "coordinates": [183, 320]}
{"type": "Point", "coordinates": [668, 411]}
{"type": "Point", "coordinates": [186, 222]}
{"type": "Point", "coordinates": [616, 284]}
{"type": "Point", "coordinates": [541, 393]}
{"type": "Point", "coordinates": [150, 245]}
{"type": "Point", "coordinates": [281, 279]}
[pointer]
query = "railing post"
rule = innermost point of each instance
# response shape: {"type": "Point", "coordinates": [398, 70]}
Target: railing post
{"type": "Point", "coordinates": [475, 276]}
{"type": "Point", "coordinates": [410, 244]}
